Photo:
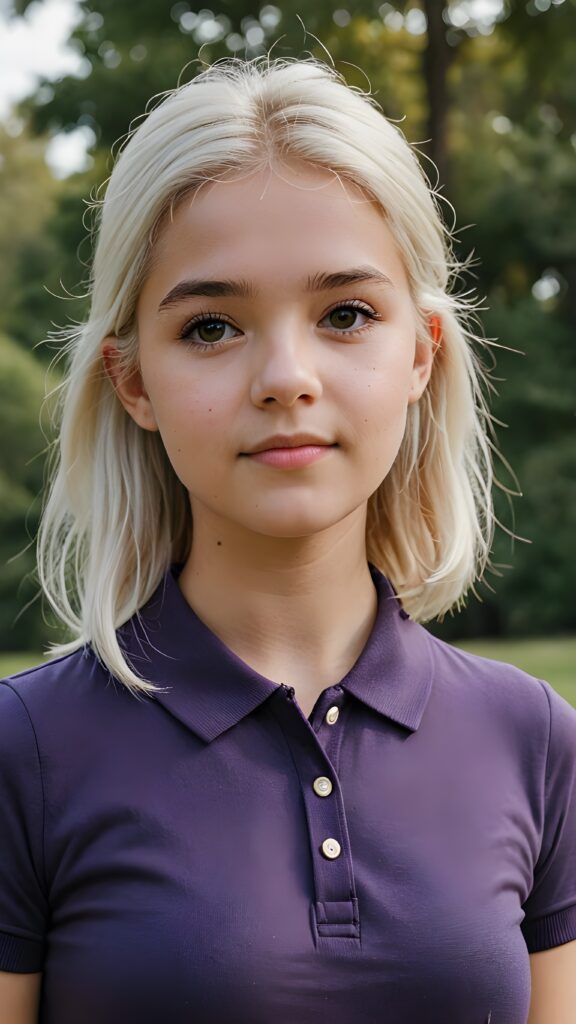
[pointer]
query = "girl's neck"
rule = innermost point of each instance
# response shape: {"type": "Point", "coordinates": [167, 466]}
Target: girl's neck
{"type": "Point", "coordinates": [302, 620]}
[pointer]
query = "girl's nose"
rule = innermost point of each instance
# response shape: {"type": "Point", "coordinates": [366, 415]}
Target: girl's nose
{"type": "Point", "coordinates": [286, 369]}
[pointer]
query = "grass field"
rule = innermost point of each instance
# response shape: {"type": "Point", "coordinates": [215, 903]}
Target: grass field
{"type": "Point", "coordinates": [553, 659]}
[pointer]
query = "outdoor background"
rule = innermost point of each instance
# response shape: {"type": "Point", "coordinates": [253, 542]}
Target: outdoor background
{"type": "Point", "coordinates": [486, 88]}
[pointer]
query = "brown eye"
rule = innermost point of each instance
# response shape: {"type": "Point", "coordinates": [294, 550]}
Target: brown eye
{"type": "Point", "coordinates": [211, 330]}
{"type": "Point", "coordinates": [208, 329]}
{"type": "Point", "coordinates": [344, 316]}
{"type": "Point", "coordinates": [343, 320]}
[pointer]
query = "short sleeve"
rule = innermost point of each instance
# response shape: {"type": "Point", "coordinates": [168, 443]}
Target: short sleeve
{"type": "Point", "coordinates": [550, 909]}
{"type": "Point", "coordinates": [23, 902]}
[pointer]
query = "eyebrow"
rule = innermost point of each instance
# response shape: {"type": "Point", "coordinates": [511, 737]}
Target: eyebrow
{"type": "Point", "coordinates": [243, 289]}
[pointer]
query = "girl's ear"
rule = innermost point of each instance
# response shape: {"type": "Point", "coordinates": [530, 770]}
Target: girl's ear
{"type": "Point", "coordinates": [129, 389]}
{"type": "Point", "coordinates": [424, 358]}
{"type": "Point", "coordinates": [435, 325]}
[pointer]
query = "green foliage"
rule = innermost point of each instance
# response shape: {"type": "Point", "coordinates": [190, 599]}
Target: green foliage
{"type": "Point", "coordinates": [27, 197]}
{"type": "Point", "coordinates": [141, 54]}
{"type": "Point", "coordinates": [514, 164]}
{"type": "Point", "coordinates": [22, 390]}
{"type": "Point", "coordinates": [42, 239]}
{"type": "Point", "coordinates": [544, 577]}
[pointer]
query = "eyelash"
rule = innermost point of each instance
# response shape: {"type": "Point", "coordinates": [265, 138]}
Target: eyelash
{"type": "Point", "coordinates": [201, 318]}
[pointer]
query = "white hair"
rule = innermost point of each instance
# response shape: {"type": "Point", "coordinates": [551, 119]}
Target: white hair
{"type": "Point", "coordinates": [116, 515]}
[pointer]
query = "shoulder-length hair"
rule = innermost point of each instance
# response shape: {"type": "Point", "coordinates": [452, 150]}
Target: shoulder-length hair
{"type": "Point", "coordinates": [115, 515]}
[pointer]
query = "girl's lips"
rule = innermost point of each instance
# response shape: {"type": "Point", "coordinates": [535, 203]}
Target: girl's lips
{"type": "Point", "coordinates": [292, 458]}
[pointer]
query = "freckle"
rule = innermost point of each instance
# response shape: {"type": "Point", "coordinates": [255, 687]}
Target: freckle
{"type": "Point", "coordinates": [219, 543]}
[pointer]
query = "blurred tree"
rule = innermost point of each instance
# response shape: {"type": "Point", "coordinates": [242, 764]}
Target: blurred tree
{"type": "Point", "coordinates": [136, 45]}
{"type": "Point", "coordinates": [27, 198]}
{"type": "Point", "coordinates": [22, 391]}
{"type": "Point", "coordinates": [513, 168]}
{"type": "Point", "coordinates": [40, 242]}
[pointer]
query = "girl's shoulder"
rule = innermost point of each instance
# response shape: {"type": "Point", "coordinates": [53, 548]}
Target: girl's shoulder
{"type": "Point", "coordinates": [527, 706]}
{"type": "Point", "coordinates": [63, 689]}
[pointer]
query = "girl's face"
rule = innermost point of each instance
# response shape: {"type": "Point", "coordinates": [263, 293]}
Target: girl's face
{"type": "Point", "coordinates": [304, 324]}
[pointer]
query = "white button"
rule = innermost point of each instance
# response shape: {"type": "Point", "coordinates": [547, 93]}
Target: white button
{"type": "Point", "coordinates": [332, 715]}
{"type": "Point", "coordinates": [322, 786]}
{"type": "Point", "coordinates": [331, 848]}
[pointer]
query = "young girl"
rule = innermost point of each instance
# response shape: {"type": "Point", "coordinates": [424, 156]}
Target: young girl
{"type": "Point", "coordinates": [254, 789]}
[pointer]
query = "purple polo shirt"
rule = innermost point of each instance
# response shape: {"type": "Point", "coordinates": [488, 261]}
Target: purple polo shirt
{"type": "Point", "coordinates": [213, 856]}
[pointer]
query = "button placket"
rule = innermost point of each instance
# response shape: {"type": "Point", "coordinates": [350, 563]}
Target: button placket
{"type": "Point", "coordinates": [327, 713]}
{"type": "Point", "coordinates": [330, 723]}
{"type": "Point", "coordinates": [335, 908]}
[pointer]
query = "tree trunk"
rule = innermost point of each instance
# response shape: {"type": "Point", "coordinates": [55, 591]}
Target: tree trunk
{"type": "Point", "coordinates": [438, 56]}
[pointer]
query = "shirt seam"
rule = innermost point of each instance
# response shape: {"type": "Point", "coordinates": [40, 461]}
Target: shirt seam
{"type": "Point", "coordinates": [546, 771]}
{"type": "Point", "coordinates": [341, 811]}
{"type": "Point", "coordinates": [549, 705]}
{"type": "Point", "coordinates": [22, 934]}
{"type": "Point", "coordinates": [551, 913]}
{"type": "Point", "coordinates": [42, 785]}
{"type": "Point", "coordinates": [343, 716]}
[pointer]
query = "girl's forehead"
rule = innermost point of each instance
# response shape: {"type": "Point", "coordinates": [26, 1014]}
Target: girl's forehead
{"type": "Point", "coordinates": [281, 193]}
{"type": "Point", "coordinates": [275, 218]}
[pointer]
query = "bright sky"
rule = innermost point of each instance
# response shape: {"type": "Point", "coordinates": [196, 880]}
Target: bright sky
{"type": "Point", "coordinates": [34, 46]}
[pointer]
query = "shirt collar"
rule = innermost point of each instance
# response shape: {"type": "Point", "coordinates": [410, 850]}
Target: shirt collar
{"type": "Point", "coordinates": [210, 689]}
